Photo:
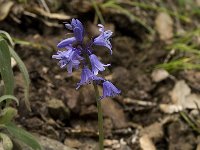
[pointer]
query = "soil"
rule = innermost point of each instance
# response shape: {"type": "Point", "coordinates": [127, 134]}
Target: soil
{"type": "Point", "coordinates": [65, 114]}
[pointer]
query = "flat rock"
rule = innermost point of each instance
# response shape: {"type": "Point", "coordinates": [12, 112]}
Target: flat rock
{"type": "Point", "coordinates": [50, 144]}
{"type": "Point", "coordinates": [115, 112]}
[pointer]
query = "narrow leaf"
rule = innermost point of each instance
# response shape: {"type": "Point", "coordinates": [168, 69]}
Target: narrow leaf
{"type": "Point", "coordinates": [6, 141]}
{"type": "Point", "coordinates": [5, 68]}
{"type": "Point", "coordinates": [5, 35]}
{"type": "Point", "coordinates": [4, 97]}
{"type": "Point", "coordinates": [25, 74]}
{"type": "Point", "coordinates": [23, 136]}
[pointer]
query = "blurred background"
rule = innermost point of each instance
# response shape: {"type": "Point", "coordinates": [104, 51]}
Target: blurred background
{"type": "Point", "coordinates": [155, 62]}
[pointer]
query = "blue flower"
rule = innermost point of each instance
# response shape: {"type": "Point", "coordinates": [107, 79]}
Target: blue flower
{"type": "Point", "coordinates": [109, 90]}
{"type": "Point", "coordinates": [69, 58]}
{"type": "Point", "coordinates": [86, 77]}
{"type": "Point", "coordinates": [103, 38]}
{"type": "Point", "coordinates": [66, 42]}
{"type": "Point", "coordinates": [77, 28]}
{"type": "Point", "coordinates": [96, 64]}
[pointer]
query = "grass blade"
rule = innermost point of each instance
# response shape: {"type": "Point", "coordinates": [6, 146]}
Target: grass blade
{"type": "Point", "coordinates": [5, 35]}
{"type": "Point", "coordinates": [25, 74]}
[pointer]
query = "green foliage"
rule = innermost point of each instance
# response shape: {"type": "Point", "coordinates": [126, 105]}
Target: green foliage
{"type": "Point", "coordinates": [7, 113]}
{"type": "Point", "coordinates": [5, 68]}
{"type": "Point", "coordinates": [23, 136]}
{"type": "Point", "coordinates": [192, 122]}
{"type": "Point", "coordinates": [5, 97]}
{"type": "Point", "coordinates": [113, 4]}
{"type": "Point", "coordinates": [21, 66]}
{"type": "Point", "coordinates": [187, 52]}
{"type": "Point", "coordinates": [25, 74]}
{"type": "Point", "coordinates": [98, 12]}
{"type": "Point", "coordinates": [179, 64]}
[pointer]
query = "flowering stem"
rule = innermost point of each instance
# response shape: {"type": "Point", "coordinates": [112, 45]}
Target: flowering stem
{"type": "Point", "coordinates": [100, 118]}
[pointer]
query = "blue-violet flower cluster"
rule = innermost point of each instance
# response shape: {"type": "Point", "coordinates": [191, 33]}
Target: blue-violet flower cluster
{"type": "Point", "coordinates": [76, 54]}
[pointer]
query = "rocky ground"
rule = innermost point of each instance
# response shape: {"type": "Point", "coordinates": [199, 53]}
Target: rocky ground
{"type": "Point", "coordinates": [152, 111]}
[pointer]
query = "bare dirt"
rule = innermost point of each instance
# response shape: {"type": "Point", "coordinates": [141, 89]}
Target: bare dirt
{"type": "Point", "coordinates": [69, 116]}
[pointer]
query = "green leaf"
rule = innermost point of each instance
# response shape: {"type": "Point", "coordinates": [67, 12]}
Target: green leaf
{"type": "Point", "coordinates": [25, 74]}
{"type": "Point", "coordinates": [21, 66]}
{"type": "Point", "coordinates": [5, 68]}
{"type": "Point", "coordinates": [4, 97]}
{"type": "Point", "coordinates": [5, 35]}
{"type": "Point", "coordinates": [6, 141]}
{"type": "Point", "coordinates": [7, 115]}
{"type": "Point", "coordinates": [23, 136]}
{"type": "Point", "coordinates": [116, 6]}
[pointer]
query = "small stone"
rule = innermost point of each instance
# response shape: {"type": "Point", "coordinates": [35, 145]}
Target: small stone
{"type": "Point", "coordinates": [114, 111]}
{"type": "Point", "coordinates": [72, 100]}
{"type": "Point", "coordinates": [50, 144]}
{"type": "Point", "coordinates": [159, 75]}
{"type": "Point", "coordinates": [74, 143]}
{"type": "Point", "coordinates": [51, 132]}
{"type": "Point", "coordinates": [146, 143]}
{"type": "Point", "coordinates": [124, 147]}
{"type": "Point", "coordinates": [58, 110]}
{"type": "Point", "coordinates": [198, 4]}
{"type": "Point", "coordinates": [116, 146]}
{"type": "Point", "coordinates": [34, 123]}
{"type": "Point", "coordinates": [154, 131]}
{"type": "Point", "coordinates": [164, 26]}
{"type": "Point", "coordinates": [170, 108]}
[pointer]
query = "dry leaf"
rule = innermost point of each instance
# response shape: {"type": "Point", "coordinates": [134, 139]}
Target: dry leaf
{"type": "Point", "coordinates": [192, 101]}
{"type": "Point", "coordinates": [179, 92]}
{"type": "Point", "coordinates": [154, 131]}
{"type": "Point", "coordinates": [170, 108]}
{"type": "Point", "coordinates": [44, 13]}
{"type": "Point", "coordinates": [146, 143]}
{"type": "Point", "coordinates": [181, 96]}
{"type": "Point", "coordinates": [5, 7]}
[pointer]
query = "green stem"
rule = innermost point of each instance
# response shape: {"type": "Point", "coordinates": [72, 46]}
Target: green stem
{"type": "Point", "coordinates": [100, 118]}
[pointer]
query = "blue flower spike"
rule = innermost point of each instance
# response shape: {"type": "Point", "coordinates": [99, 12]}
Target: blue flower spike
{"type": "Point", "coordinates": [76, 55]}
